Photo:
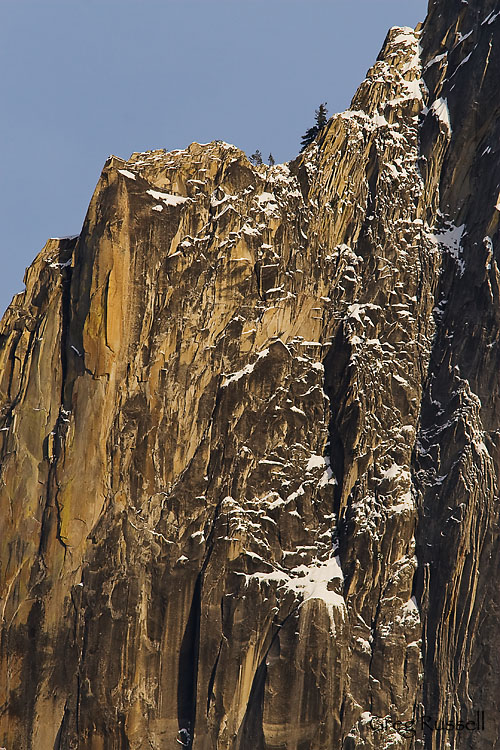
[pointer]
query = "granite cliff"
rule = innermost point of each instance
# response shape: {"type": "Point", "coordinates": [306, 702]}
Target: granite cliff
{"type": "Point", "coordinates": [250, 431]}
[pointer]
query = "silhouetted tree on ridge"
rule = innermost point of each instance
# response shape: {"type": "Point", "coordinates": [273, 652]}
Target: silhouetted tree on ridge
{"type": "Point", "coordinates": [321, 118]}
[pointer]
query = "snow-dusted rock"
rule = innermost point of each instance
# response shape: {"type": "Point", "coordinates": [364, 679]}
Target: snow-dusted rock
{"type": "Point", "coordinates": [249, 434]}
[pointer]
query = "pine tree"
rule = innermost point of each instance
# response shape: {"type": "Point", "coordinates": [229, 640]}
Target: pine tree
{"type": "Point", "coordinates": [309, 137]}
{"type": "Point", "coordinates": [256, 157]}
{"type": "Point", "coordinates": [321, 118]}
{"type": "Point", "coordinates": [321, 115]}
{"type": "Point", "coordinates": [270, 160]}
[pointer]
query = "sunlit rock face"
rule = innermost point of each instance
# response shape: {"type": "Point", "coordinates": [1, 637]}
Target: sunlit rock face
{"type": "Point", "coordinates": [249, 435]}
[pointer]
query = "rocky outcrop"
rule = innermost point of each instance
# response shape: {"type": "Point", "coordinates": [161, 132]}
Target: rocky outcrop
{"type": "Point", "coordinates": [249, 435]}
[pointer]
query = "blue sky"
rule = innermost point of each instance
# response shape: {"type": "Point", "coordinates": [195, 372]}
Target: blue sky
{"type": "Point", "coordinates": [86, 78]}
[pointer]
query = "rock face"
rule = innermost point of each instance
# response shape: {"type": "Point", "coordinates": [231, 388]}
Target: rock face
{"type": "Point", "coordinates": [250, 431]}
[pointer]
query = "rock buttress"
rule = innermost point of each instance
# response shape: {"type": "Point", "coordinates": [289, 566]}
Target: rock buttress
{"type": "Point", "coordinates": [249, 435]}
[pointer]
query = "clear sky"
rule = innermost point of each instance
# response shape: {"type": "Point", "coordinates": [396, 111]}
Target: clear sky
{"type": "Point", "coordinates": [86, 78]}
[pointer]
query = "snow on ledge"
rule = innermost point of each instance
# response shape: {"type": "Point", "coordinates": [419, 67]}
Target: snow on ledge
{"type": "Point", "coordinates": [168, 198]}
{"type": "Point", "coordinates": [126, 173]}
{"type": "Point", "coordinates": [310, 582]}
{"type": "Point", "coordinates": [245, 371]}
{"type": "Point", "coordinates": [406, 34]}
{"type": "Point", "coordinates": [440, 110]}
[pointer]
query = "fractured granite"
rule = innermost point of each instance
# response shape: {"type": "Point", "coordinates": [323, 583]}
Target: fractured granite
{"type": "Point", "coordinates": [249, 435]}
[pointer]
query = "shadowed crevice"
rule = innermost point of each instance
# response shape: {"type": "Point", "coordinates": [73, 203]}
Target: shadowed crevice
{"type": "Point", "coordinates": [188, 669]}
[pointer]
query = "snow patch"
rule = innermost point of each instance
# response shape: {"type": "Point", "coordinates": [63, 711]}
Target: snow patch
{"type": "Point", "coordinates": [168, 198]}
{"type": "Point", "coordinates": [406, 35]}
{"type": "Point", "coordinates": [449, 238]}
{"type": "Point", "coordinates": [393, 471]}
{"type": "Point", "coordinates": [250, 231]}
{"type": "Point", "coordinates": [311, 581]}
{"type": "Point", "coordinates": [435, 60]}
{"type": "Point", "coordinates": [492, 17]}
{"type": "Point", "coordinates": [440, 110]}
{"type": "Point", "coordinates": [266, 198]}
{"type": "Point", "coordinates": [244, 371]}
{"type": "Point", "coordinates": [315, 462]}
